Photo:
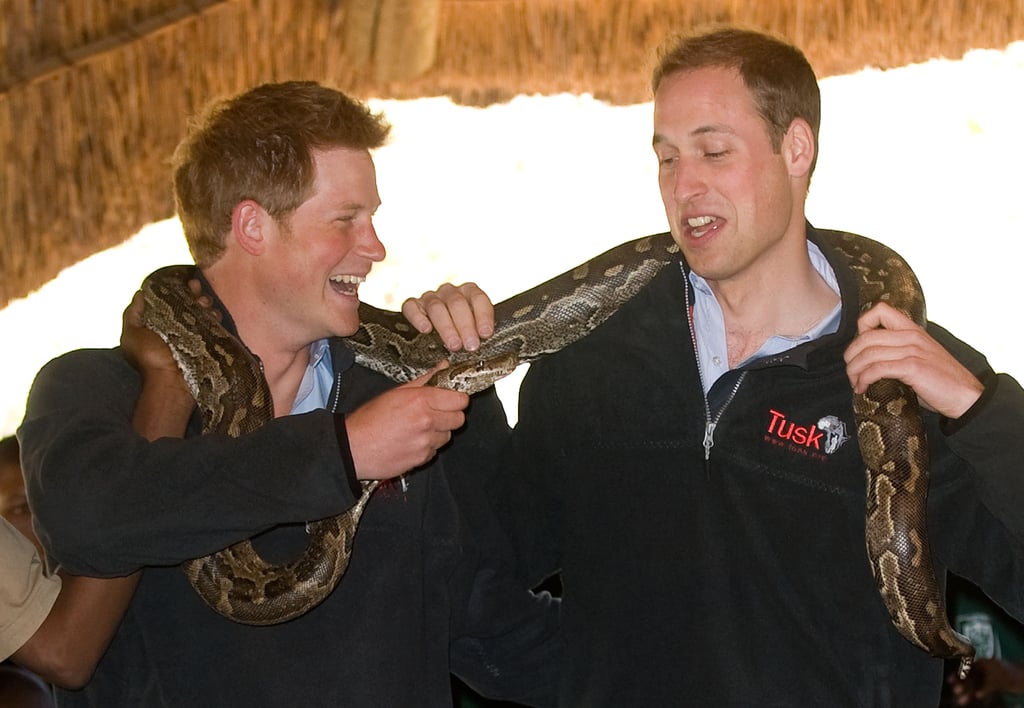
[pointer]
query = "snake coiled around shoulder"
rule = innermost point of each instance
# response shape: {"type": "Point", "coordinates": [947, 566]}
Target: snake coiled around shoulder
{"type": "Point", "coordinates": [893, 443]}
{"type": "Point", "coordinates": [233, 397]}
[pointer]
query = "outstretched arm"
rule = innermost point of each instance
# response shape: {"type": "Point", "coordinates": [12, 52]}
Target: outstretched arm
{"type": "Point", "coordinates": [71, 640]}
{"type": "Point", "coordinates": [989, 678]}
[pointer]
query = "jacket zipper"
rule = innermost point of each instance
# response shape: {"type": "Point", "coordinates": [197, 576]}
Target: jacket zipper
{"type": "Point", "coordinates": [709, 428]}
{"type": "Point", "coordinates": [709, 423]}
{"type": "Point", "coordinates": [332, 406]}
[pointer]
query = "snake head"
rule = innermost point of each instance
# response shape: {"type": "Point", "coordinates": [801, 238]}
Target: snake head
{"type": "Point", "coordinates": [476, 374]}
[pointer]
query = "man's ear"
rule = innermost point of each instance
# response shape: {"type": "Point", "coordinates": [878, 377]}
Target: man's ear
{"type": "Point", "coordinates": [249, 222]}
{"type": "Point", "coordinates": [798, 147]}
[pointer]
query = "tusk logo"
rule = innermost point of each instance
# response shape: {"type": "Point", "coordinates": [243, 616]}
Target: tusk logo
{"type": "Point", "coordinates": [826, 436]}
{"type": "Point", "coordinates": [835, 433]}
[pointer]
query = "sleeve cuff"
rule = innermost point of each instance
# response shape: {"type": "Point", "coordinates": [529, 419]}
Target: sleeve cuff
{"type": "Point", "coordinates": [341, 433]}
{"type": "Point", "coordinates": [949, 426]}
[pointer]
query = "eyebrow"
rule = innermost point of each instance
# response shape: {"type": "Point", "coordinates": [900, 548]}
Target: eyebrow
{"type": "Point", "coordinates": [702, 130]}
{"type": "Point", "coordinates": [357, 205]}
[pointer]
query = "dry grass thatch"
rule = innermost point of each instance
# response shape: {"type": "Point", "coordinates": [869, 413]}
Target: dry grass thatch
{"type": "Point", "coordinates": [94, 94]}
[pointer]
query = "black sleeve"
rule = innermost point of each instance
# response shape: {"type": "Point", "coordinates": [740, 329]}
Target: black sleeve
{"type": "Point", "coordinates": [976, 494]}
{"type": "Point", "coordinates": [506, 642]}
{"type": "Point", "coordinates": [525, 486]}
{"type": "Point", "coordinates": [106, 501]}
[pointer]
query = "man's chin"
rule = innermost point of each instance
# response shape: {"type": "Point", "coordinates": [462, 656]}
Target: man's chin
{"type": "Point", "coordinates": [346, 327]}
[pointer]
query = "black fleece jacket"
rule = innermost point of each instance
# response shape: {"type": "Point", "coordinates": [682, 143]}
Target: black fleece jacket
{"type": "Point", "coordinates": [740, 579]}
{"type": "Point", "coordinates": [427, 589]}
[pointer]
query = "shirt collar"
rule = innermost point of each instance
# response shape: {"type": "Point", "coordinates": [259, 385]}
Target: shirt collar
{"type": "Point", "coordinates": [709, 324]}
{"type": "Point", "coordinates": [315, 388]}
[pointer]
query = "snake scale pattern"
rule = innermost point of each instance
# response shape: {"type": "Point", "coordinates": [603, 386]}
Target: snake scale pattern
{"type": "Point", "coordinates": [234, 399]}
{"type": "Point", "coordinates": [892, 441]}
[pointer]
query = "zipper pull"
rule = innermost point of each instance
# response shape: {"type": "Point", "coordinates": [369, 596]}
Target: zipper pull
{"type": "Point", "coordinates": [709, 439]}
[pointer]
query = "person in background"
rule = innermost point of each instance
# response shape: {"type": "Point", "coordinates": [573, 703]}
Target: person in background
{"type": "Point", "coordinates": [996, 679]}
{"type": "Point", "coordinates": [672, 467]}
{"type": "Point", "coordinates": [13, 500]}
{"type": "Point", "coordinates": [276, 190]}
{"type": "Point", "coordinates": [55, 627]}
{"type": "Point", "coordinates": [24, 607]}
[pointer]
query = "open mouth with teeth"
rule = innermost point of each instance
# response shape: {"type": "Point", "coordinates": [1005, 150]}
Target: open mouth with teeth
{"type": "Point", "coordinates": [346, 284]}
{"type": "Point", "coordinates": [700, 226]}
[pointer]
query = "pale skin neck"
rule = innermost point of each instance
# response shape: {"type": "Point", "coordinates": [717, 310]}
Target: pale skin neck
{"type": "Point", "coordinates": [782, 296]}
{"type": "Point", "coordinates": [284, 360]}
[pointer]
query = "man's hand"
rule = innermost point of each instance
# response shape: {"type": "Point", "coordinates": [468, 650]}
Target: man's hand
{"type": "Point", "coordinates": [891, 346]}
{"type": "Point", "coordinates": [147, 352]}
{"type": "Point", "coordinates": [403, 428]}
{"type": "Point", "coordinates": [142, 347]}
{"type": "Point", "coordinates": [163, 385]}
{"type": "Point", "coordinates": [461, 314]}
{"type": "Point", "coordinates": [988, 678]}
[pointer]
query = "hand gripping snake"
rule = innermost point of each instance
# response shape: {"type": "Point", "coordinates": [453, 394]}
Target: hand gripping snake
{"type": "Point", "coordinates": [890, 432]}
{"type": "Point", "coordinates": [233, 397]}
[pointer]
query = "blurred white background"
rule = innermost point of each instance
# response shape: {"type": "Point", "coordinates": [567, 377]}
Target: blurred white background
{"type": "Point", "coordinates": [928, 158]}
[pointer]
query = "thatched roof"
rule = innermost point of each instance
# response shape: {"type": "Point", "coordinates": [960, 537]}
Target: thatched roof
{"type": "Point", "coordinates": [94, 94]}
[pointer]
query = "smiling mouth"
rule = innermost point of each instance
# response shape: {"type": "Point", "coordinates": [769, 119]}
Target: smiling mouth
{"type": "Point", "coordinates": [700, 226]}
{"type": "Point", "coordinates": [346, 284]}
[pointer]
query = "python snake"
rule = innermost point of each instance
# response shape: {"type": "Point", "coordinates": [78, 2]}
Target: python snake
{"type": "Point", "coordinates": [233, 397]}
{"type": "Point", "coordinates": [891, 435]}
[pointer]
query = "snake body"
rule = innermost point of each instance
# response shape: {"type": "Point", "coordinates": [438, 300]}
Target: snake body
{"type": "Point", "coordinates": [890, 432]}
{"type": "Point", "coordinates": [529, 325]}
{"type": "Point", "coordinates": [232, 395]}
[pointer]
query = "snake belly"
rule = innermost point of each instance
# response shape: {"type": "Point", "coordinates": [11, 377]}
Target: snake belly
{"type": "Point", "coordinates": [893, 443]}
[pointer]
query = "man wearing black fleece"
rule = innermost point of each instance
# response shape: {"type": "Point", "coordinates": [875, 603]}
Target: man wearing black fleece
{"type": "Point", "coordinates": [276, 190]}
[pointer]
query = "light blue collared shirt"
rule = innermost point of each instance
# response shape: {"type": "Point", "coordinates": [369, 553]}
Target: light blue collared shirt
{"type": "Point", "coordinates": [709, 324]}
{"type": "Point", "coordinates": [316, 384]}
